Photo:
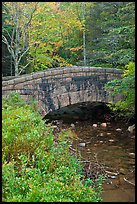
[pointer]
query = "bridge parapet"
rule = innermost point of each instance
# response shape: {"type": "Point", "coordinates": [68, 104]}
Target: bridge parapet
{"type": "Point", "coordinates": [59, 87]}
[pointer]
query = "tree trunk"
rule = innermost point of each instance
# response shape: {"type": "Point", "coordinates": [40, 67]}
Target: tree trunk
{"type": "Point", "coordinates": [16, 64]}
{"type": "Point", "coordinates": [84, 34]}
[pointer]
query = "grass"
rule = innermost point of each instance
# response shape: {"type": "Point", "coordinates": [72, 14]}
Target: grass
{"type": "Point", "coordinates": [36, 165]}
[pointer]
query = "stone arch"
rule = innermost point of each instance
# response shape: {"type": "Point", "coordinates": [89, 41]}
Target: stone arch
{"type": "Point", "coordinates": [55, 88]}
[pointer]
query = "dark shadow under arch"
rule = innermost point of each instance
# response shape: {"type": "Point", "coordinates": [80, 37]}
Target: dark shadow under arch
{"type": "Point", "coordinates": [94, 111]}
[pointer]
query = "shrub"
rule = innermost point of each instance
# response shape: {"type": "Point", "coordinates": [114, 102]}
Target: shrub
{"type": "Point", "coordinates": [34, 169]}
{"type": "Point", "coordinates": [125, 87]}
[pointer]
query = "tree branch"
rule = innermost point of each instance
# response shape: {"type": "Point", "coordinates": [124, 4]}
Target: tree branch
{"type": "Point", "coordinates": [23, 54]}
{"type": "Point", "coordinates": [11, 51]}
{"type": "Point", "coordinates": [4, 29]}
{"type": "Point", "coordinates": [24, 67]}
{"type": "Point", "coordinates": [27, 24]}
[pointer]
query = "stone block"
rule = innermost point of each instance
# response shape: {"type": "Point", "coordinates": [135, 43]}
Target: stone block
{"type": "Point", "coordinates": [66, 71]}
{"type": "Point", "coordinates": [10, 82]}
{"type": "Point", "coordinates": [5, 83]}
{"type": "Point", "coordinates": [6, 92]}
{"type": "Point", "coordinates": [8, 87]}
{"type": "Point", "coordinates": [20, 85]}
{"type": "Point", "coordinates": [57, 72]}
{"type": "Point", "coordinates": [61, 100]}
{"type": "Point", "coordinates": [118, 71]}
{"type": "Point", "coordinates": [29, 78]}
{"type": "Point", "coordinates": [74, 97]}
{"type": "Point", "coordinates": [37, 81]}
{"type": "Point", "coordinates": [68, 79]}
{"type": "Point", "coordinates": [37, 75]}
{"type": "Point", "coordinates": [29, 86]}
{"type": "Point", "coordinates": [19, 80]}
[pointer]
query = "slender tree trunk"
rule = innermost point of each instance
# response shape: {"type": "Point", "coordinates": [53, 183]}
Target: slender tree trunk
{"type": "Point", "coordinates": [84, 34]}
{"type": "Point", "coordinates": [84, 48]}
{"type": "Point", "coordinates": [17, 39]}
{"type": "Point", "coordinates": [16, 64]}
{"type": "Point", "coordinates": [11, 65]}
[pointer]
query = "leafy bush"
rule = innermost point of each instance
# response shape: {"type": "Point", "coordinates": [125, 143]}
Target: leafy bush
{"type": "Point", "coordinates": [125, 87]}
{"type": "Point", "coordinates": [34, 167]}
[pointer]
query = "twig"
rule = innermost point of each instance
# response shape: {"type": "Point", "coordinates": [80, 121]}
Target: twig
{"type": "Point", "coordinates": [24, 68]}
{"type": "Point", "coordinates": [113, 173]}
{"type": "Point", "coordinates": [128, 181]}
{"type": "Point", "coordinates": [72, 149]}
{"type": "Point", "coordinates": [84, 161]}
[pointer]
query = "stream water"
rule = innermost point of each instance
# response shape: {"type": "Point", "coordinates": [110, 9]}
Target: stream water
{"type": "Point", "coordinates": [113, 146]}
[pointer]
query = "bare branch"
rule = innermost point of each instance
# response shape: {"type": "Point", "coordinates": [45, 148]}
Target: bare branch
{"type": "Point", "coordinates": [24, 67]}
{"type": "Point", "coordinates": [27, 24]}
{"type": "Point", "coordinates": [4, 29]}
{"type": "Point", "coordinates": [23, 54]}
{"type": "Point", "coordinates": [7, 9]}
{"type": "Point", "coordinates": [128, 181]}
{"type": "Point", "coordinates": [11, 51]}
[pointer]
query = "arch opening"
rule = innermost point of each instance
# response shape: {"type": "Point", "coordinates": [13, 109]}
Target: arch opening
{"type": "Point", "coordinates": [93, 111]}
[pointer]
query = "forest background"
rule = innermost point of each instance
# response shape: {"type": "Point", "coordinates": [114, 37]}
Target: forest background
{"type": "Point", "coordinates": [41, 35]}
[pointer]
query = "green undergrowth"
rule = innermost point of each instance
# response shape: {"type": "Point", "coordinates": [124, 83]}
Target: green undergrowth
{"type": "Point", "coordinates": [36, 165]}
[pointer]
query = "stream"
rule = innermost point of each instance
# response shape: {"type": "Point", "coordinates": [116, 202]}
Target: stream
{"type": "Point", "coordinates": [114, 148]}
{"type": "Point", "coordinates": [111, 145]}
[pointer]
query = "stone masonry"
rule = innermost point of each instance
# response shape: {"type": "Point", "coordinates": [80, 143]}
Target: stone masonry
{"type": "Point", "coordinates": [59, 87]}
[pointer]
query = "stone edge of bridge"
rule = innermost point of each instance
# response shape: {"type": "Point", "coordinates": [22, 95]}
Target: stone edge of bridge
{"type": "Point", "coordinates": [58, 71]}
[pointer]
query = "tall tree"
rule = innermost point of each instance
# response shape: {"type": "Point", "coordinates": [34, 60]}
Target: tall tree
{"type": "Point", "coordinates": [17, 41]}
{"type": "Point", "coordinates": [6, 57]}
{"type": "Point", "coordinates": [111, 33]}
{"type": "Point", "coordinates": [55, 38]}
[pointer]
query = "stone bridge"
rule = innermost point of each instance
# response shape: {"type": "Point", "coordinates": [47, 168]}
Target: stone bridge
{"type": "Point", "coordinates": [59, 87]}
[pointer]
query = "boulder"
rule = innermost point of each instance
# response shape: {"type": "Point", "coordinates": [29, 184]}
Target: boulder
{"type": "Point", "coordinates": [72, 125]}
{"type": "Point", "coordinates": [111, 140]}
{"type": "Point", "coordinates": [82, 144]}
{"type": "Point", "coordinates": [131, 128]}
{"type": "Point", "coordinates": [119, 129]}
{"type": "Point", "coordinates": [104, 124]}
